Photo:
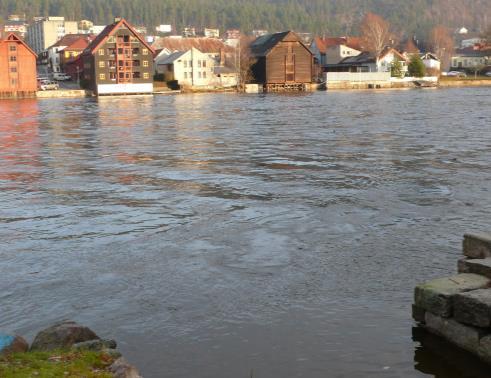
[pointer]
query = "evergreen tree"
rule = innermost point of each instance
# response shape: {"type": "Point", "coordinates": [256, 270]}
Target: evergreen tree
{"type": "Point", "coordinates": [416, 66]}
{"type": "Point", "coordinates": [396, 68]}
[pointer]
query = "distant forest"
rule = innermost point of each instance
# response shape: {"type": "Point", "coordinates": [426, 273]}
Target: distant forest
{"type": "Point", "coordinates": [329, 17]}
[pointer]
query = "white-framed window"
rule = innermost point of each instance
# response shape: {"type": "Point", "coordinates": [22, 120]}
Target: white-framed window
{"type": "Point", "coordinates": [102, 76]}
{"type": "Point", "coordinates": [145, 63]}
{"type": "Point", "coordinates": [102, 64]}
{"type": "Point", "coordinates": [185, 75]}
{"type": "Point", "coordinates": [145, 51]}
{"type": "Point", "coordinates": [101, 51]}
{"type": "Point", "coordinates": [146, 75]}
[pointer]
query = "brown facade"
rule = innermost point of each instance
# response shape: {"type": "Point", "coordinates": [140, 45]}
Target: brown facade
{"type": "Point", "coordinates": [117, 56]}
{"type": "Point", "coordinates": [282, 59]}
{"type": "Point", "coordinates": [17, 68]}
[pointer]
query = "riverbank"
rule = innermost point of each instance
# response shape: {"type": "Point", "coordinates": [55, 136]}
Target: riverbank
{"type": "Point", "coordinates": [450, 82]}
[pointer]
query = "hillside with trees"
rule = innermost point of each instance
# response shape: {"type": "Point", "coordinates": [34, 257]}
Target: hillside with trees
{"type": "Point", "coordinates": [335, 17]}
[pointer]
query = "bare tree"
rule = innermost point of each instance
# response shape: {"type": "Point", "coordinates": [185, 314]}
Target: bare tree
{"type": "Point", "coordinates": [442, 45]}
{"type": "Point", "coordinates": [375, 32]}
{"type": "Point", "coordinates": [242, 61]}
{"type": "Point", "coordinates": [487, 35]}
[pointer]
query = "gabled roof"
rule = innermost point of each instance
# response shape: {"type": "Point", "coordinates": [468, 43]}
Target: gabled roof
{"type": "Point", "coordinates": [80, 44]}
{"type": "Point", "coordinates": [389, 50]}
{"type": "Point", "coordinates": [15, 38]}
{"type": "Point", "coordinates": [428, 56]}
{"type": "Point", "coordinates": [323, 44]}
{"type": "Point", "coordinates": [68, 39]}
{"type": "Point", "coordinates": [364, 58]}
{"type": "Point", "coordinates": [172, 57]}
{"type": "Point", "coordinates": [108, 31]}
{"type": "Point", "coordinates": [263, 45]}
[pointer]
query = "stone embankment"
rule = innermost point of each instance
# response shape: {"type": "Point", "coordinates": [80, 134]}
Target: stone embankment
{"type": "Point", "coordinates": [464, 83]}
{"type": "Point", "coordinates": [458, 308]}
{"type": "Point", "coordinates": [69, 337]}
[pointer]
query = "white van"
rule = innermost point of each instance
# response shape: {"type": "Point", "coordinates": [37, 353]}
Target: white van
{"type": "Point", "coordinates": [61, 76]}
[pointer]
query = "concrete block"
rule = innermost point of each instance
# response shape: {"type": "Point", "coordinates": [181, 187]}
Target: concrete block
{"type": "Point", "coordinates": [436, 296]}
{"type": "Point", "coordinates": [473, 308]}
{"type": "Point", "coordinates": [484, 350]}
{"type": "Point", "coordinates": [476, 266]}
{"type": "Point", "coordinates": [464, 336]}
{"type": "Point", "coordinates": [418, 314]}
{"type": "Point", "coordinates": [477, 246]}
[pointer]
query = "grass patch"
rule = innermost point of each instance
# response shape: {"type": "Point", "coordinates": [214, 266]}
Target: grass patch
{"type": "Point", "coordinates": [53, 364]}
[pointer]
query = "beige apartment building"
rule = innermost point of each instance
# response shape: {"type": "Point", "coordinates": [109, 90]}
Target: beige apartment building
{"type": "Point", "coordinates": [46, 31]}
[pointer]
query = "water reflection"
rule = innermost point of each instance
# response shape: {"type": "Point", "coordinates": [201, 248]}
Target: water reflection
{"type": "Point", "coordinates": [440, 359]}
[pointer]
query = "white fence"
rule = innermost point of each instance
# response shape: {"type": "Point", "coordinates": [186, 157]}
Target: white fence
{"type": "Point", "coordinates": [356, 76]}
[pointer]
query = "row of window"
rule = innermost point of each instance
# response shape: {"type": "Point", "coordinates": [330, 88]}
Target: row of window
{"type": "Point", "coordinates": [125, 75]}
{"type": "Point", "coordinates": [122, 63]}
{"type": "Point", "coordinates": [121, 51]}
{"type": "Point", "coordinates": [201, 75]}
{"type": "Point", "coordinates": [189, 63]}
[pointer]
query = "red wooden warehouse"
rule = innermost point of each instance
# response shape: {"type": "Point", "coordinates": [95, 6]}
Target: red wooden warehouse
{"type": "Point", "coordinates": [17, 68]}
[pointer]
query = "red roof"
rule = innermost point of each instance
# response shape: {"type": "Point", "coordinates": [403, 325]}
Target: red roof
{"type": "Point", "coordinates": [80, 44]}
{"type": "Point", "coordinates": [110, 30]}
{"type": "Point", "coordinates": [205, 45]}
{"type": "Point", "coordinates": [327, 42]}
{"type": "Point", "coordinates": [14, 37]}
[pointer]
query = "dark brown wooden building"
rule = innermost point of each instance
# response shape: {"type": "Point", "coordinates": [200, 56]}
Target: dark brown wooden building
{"type": "Point", "coordinates": [283, 62]}
{"type": "Point", "coordinates": [17, 68]}
{"type": "Point", "coordinates": [118, 61]}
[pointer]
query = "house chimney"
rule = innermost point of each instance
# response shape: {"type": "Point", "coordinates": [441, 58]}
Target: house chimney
{"type": "Point", "coordinates": [117, 19]}
{"type": "Point", "coordinates": [222, 58]}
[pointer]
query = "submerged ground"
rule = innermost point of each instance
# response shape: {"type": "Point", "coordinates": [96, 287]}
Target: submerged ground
{"type": "Point", "coordinates": [238, 235]}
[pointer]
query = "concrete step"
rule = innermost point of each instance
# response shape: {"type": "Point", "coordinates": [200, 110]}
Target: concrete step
{"type": "Point", "coordinates": [477, 246]}
{"type": "Point", "coordinates": [473, 308]}
{"type": "Point", "coordinates": [476, 266]}
{"type": "Point", "coordinates": [436, 296]}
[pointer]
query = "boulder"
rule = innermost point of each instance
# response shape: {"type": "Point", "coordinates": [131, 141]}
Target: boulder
{"type": "Point", "coordinates": [477, 266]}
{"type": "Point", "coordinates": [484, 350]}
{"type": "Point", "coordinates": [436, 296]}
{"type": "Point", "coordinates": [62, 335]}
{"type": "Point", "coordinates": [465, 337]}
{"type": "Point", "coordinates": [418, 314]}
{"type": "Point", "coordinates": [122, 369]}
{"type": "Point", "coordinates": [12, 344]}
{"type": "Point", "coordinates": [477, 246]}
{"type": "Point", "coordinates": [95, 345]}
{"type": "Point", "coordinates": [473, 308]}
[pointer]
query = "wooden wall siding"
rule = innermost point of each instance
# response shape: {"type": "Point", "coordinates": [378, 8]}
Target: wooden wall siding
{"type": "Point", "coordinates": [24, 79]}
{"type": "Point", "coordinates": [289, 57]}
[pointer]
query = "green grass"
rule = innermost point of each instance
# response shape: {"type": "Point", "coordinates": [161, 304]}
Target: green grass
{"type": "Point", "coordinates": [56, 364]}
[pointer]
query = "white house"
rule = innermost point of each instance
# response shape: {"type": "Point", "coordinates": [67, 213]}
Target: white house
{"type": "Point", "coordinates": [387, 58]}
{"type": "Point", "coordinates": [192, 68]}
{"type": "Point", "coordinates": [431, 61]}
{"type": "Point", "coordinates": [334, 50]}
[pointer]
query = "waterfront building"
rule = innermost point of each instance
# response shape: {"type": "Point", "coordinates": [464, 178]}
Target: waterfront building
{"type": "Point", "coordinates": [17, 67]}
{"type": "Point", "coordinates": [58, 53]}
{"type": "Point", "coordinates": [283, 61]}
{"type": "Point", "coordinates": [118, 60]}
{"type": "Point", "coordinates": [46, 31]}
{"type": "Point", "coordinates": [332, 50]}
{"type": "Point", "coordinates": [471, 58]}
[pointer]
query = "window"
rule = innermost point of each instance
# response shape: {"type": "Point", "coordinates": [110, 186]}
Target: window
{"type": "Point", "coordinates": [145, 63]}
{"type": "Point", "coordinates": [190, 63]}
{"type": "Point", "coordinates": [199, 63]}
{"type": "Point", "coordinates": [128, 75]}
{"type": "Point", "coordinates": [101, 51]}
{"type": "Point", "coordinates": [204, 63]}
{"type": "Point", "coordinates": [13, 82]}
{"type": "Point", "coordinates": [102, 76]}
{"type": "Point", "coordinates": [102, 64]}
{"type": "Point", "coordinates": [111, 39]}
{"type": "Point", "coordinates": [146, 75]}
{"type": "Point", "coordinates": [136, 63]}
{"type": "Point", "coordinates": [13, 48]}
{"type": "Point", "coordinates": [121, 75]}
{"type": "Point", "coordinates": [204, 74]}
{"type": "Point", "coordinates": [120, 63]}
{"type": "Point", "coordinates": [112, 75]}
{"type": "Point", "coordinates": [185, 64]}
{"type": "Point", "coordinates": [185, 75]}
{"type": "Point", "coordinates": [136, 75]}
{"type": "Point", "coordinates": [13, 69]}
{"type": "Point", "coordinates": [136, 51]}
{"type": "Point", "coordinates": [199, 74]}
{"type": "Point", "coordinates": [145, 51]}
{"type": "Point", "coordinates": [13, 58]}
{"type": "Point", "coordinates": [112, 64]}
{"type": "Point", "coordinates": [111, 51]}
{"type": "Point", "coordinates": [120, 51]}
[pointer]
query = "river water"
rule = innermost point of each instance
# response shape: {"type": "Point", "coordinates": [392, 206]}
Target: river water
{"type": "Point", "coordinates": [223, 235]}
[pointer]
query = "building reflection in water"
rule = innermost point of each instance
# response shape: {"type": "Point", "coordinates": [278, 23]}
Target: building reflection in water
{"type": "Point", "coordinates": [19, 141]}
{"type": "Point", "coordinates": [437, 357]}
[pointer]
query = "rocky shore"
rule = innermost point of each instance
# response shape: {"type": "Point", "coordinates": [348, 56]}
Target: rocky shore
{"type": "Point", "coordinates": [458, 308]}
{"type": "Point", "coordinates": [62, 346]}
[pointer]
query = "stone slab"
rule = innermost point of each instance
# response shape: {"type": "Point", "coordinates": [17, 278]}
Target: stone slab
{"type": "Point", "coordinates": [418, 314]}
{"type": "Point", "coordinates": [464, 336]}
{"type": "Point", "coordinates": [436, 296]}
{"type": "Point", "coordinates": [476, 266]}
{"type": "Point", "coordinates": [477, 246]}
{"type": "Point", "coordinates": [473, 308]}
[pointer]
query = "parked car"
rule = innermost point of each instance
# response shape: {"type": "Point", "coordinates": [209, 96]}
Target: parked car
{"type": "Point", "coordinates": [488, 74]}
{"type": "Point", "coordinates": [61, 76]}
{"type": "Point", "coordinates": [456, 74]}
{"type": "Point", "coordinates": [46, 85]}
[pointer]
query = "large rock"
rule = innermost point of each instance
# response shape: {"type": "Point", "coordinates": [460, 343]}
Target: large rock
{"type": "Point", "coordinates": [418, 314]}
{"type": "Point", "coordinates": [62, 335]}
{"type": "Point", "coordinates": [477, 246]}
{"type": "Point", "coordinates": [12, 344]}
{"type": "Point", "coordinates": [477, 266]}
{"type": "Point", "coordinates": [465, 337]}
{"type": "Point", "coordinates": [473, 308]}
{"type": "Point", "coordinates": [436, 296]}
{"type": "Point", "coordinates": [122, 369]}
{"type": "Point", "coordinates": [484, 350]}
